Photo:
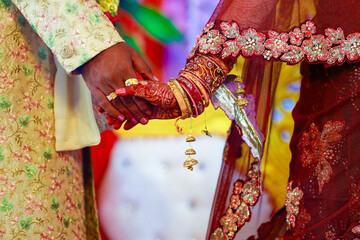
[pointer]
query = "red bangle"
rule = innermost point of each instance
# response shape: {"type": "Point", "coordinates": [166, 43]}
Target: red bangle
{"type": "Point", "coordinates": [202, 81]}
{"type": "Point", "coordinates": [194, 94]}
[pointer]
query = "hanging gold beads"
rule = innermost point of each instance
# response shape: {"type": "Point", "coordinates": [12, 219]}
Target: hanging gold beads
{"type": "Point", "coordinates": [190, 138]}
{"type": "Point", "coordinates": [242, 102]}
{"type": "Point", "coordinates": [190, 162]}
{"type": "Point", "coordinates": [190, 151]}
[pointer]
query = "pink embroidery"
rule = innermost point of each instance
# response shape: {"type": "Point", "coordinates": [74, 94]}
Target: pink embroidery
{"type": "Point", "coordinates": [211, 42]}
{"type": "Point", "coordinates": [228, 41]}
{"type": "Point", "coordinates": [251, 42]}
{"type": "Point", "coordinates": [277, 43]}
{"type": "Point", "coordinates": [316, 152]}
{"type": "Point", "coordinates": [296, 37]}
{"type": "Point", "coordinates": [356, 229]}
{"type": "Point", "coordinates": [316, 48]}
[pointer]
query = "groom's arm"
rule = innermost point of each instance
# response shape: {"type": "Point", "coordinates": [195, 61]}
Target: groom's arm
{"type": "Point", "coordinates": [75, 30]}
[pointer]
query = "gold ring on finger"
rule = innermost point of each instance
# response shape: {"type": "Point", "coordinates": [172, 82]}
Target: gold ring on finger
{"type": "Point", "coordinates": [131, 81]}
{"type": "Point", "coordinates": [111, 96]}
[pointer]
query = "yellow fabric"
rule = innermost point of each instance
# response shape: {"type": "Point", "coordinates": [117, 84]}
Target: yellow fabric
{"type": "Point", "coordinates": [277, 156]}
{"type": "Point", "coordinates": [42, 194]}
{"type": "Point", "coordinates": [217, 124]}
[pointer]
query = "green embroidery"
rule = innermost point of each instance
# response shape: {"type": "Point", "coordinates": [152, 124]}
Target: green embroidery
{"type": "Point", "coordinates": [1, 155]}
{"type": "Point", "coordinates": [27, 70]}
{"type": "Point", "coordinates": [1, 53]}
{"type": "Point", "coordinates": [25, 224]}
{"type": "Point", "coordinates": [21, 20]}
{"type": "Point", "coordinates": [47, 154]}
{"type": "Point", "coordinates": [50, 104]}
{"type": "Point", "coordinates": [5, 103]}
{"type": "Point", "coordinates": [84, 58]}
{"type": "Point", "coordinates": [55, 204]}
{"type": "Point", "coordinates": [33, 26]}
{"type": "Point", "coordinates": [6, 206]}
{"type": "Point", "coordinates": [6, 3]}
{"type": "Point", "coordinates": [30, 172]}
{"type": "Point", "coordinates": [50, 40]}
{"type": "Point", "coordinates": [42, 55]}
{"type": "Point", "coordinates": [24, 121]}
{"type": "Point", "coordinates": [66, 221]}
{"type": "Point", "coordinates": [95, 18]}
{"type": "Point", "coordinates": [71, 8]}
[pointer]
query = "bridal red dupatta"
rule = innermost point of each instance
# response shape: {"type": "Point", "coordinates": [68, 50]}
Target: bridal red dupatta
{"type": "Point", "coordinates": [323, 36]}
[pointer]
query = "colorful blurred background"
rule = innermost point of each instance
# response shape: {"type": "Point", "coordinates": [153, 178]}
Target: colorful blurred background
{"type": "Point", "coordinates": [143, 192]}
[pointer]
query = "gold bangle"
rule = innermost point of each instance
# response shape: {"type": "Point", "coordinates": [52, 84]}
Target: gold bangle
{"type": "Point", "coordinates": [181, 98]}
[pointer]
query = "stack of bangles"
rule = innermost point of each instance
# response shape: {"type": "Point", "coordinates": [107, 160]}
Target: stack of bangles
{"type": "Point", "coordinates": [190, 94]}
{"type": "Point", "coordinates": [193, 88]}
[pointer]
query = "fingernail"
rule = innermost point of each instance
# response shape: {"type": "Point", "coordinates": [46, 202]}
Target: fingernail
{"type": "Point", "coordinates": [156, 78]}
{"type": "Point", "coordinates": [143, 121]}
{"type": "Point", "coordinates": [134, 121]}
{"type": "Point", "coordinates": [120, 118]}
{"type": "Point", "coordinates": [120, 91]}
{"type": "Point", "coordinates": [117, 125]}
{"type": "Point", "coordinates": [100, 109]}
{"type": "Point", "coordinates": [110, 120]}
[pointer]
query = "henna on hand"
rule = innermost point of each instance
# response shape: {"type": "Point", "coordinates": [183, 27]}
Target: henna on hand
{"type": "Point", "coordinates": [156, 93]}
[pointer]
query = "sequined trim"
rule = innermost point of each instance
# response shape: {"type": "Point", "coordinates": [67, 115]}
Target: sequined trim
{"type": "Point", "coordinates": [249, 134]}
{"type": "Point", "coordinates": [316, 152]}
{"type": "Point", "coordinates": [226, 40]}
{"type": "Point", "coordinates": [292, 202]}
{"type": "Point", "coordinates": [245, 194]}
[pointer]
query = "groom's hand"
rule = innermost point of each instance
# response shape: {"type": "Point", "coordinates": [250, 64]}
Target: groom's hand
{"type": "Point", "coordinates": [107, 72]}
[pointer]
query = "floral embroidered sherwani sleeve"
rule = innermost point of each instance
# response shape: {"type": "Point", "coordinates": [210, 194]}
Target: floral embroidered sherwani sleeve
{"type": "Point", "coordinates": [75, 30]}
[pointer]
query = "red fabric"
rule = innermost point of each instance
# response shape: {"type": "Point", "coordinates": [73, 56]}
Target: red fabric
{"type": "Point", "coordinates": [101, 156]}
{"type": "Point", "coordinates": [100, 160]}
{"type": "Point", "coordinates": [325, 164]}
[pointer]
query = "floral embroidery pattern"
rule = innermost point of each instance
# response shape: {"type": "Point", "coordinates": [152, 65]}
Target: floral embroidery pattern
{"type": "Point", "coordinates": [42, 194]}
{"type": "Point", "coordinates": [211, 42]}
{"type": "Point", "coordinates": [316, 152]}
{"type": "Point", "coordinates": [75, 30]}
{"type": "Point", "coordinates": [227, 40]}
{"type": "Point", "coordinates": [245, 194]}
{"type": "Point", "coordinates": [356, 229]}
{"type": "Point", "coordinates": [292, 202]}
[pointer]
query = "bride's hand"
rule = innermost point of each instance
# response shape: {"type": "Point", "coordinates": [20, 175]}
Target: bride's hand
{"type": "Point", "coordinates": [156, 93]}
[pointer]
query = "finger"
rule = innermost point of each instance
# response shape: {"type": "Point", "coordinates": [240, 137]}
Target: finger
{"type": "Point", "coordinates": [128, 125]}
{"type": "Point", "coordinates": [141, 66]}
{"type": "Point", "coordinates": [144, 106]}
{"type": "Point", "coordinates": [110, 120]}
{"type": "Point", "coordinates": [100, 109]}
{"type": "Point", "coordinates": [139, 116]}
{"type": "Point", "coordinates": [106, 105]}
{"type": "Point", "coordinates": [117, 125]}
{"type": "Point", "coordinates": [122, 104]}
{"type": "Point", "coordinates": [127, 91]}
{"type": "Point", "coordinates": [133, 112]}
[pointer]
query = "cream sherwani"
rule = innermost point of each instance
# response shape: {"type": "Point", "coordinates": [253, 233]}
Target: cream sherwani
{"type": "Point", "coordinates": [42, 190]}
